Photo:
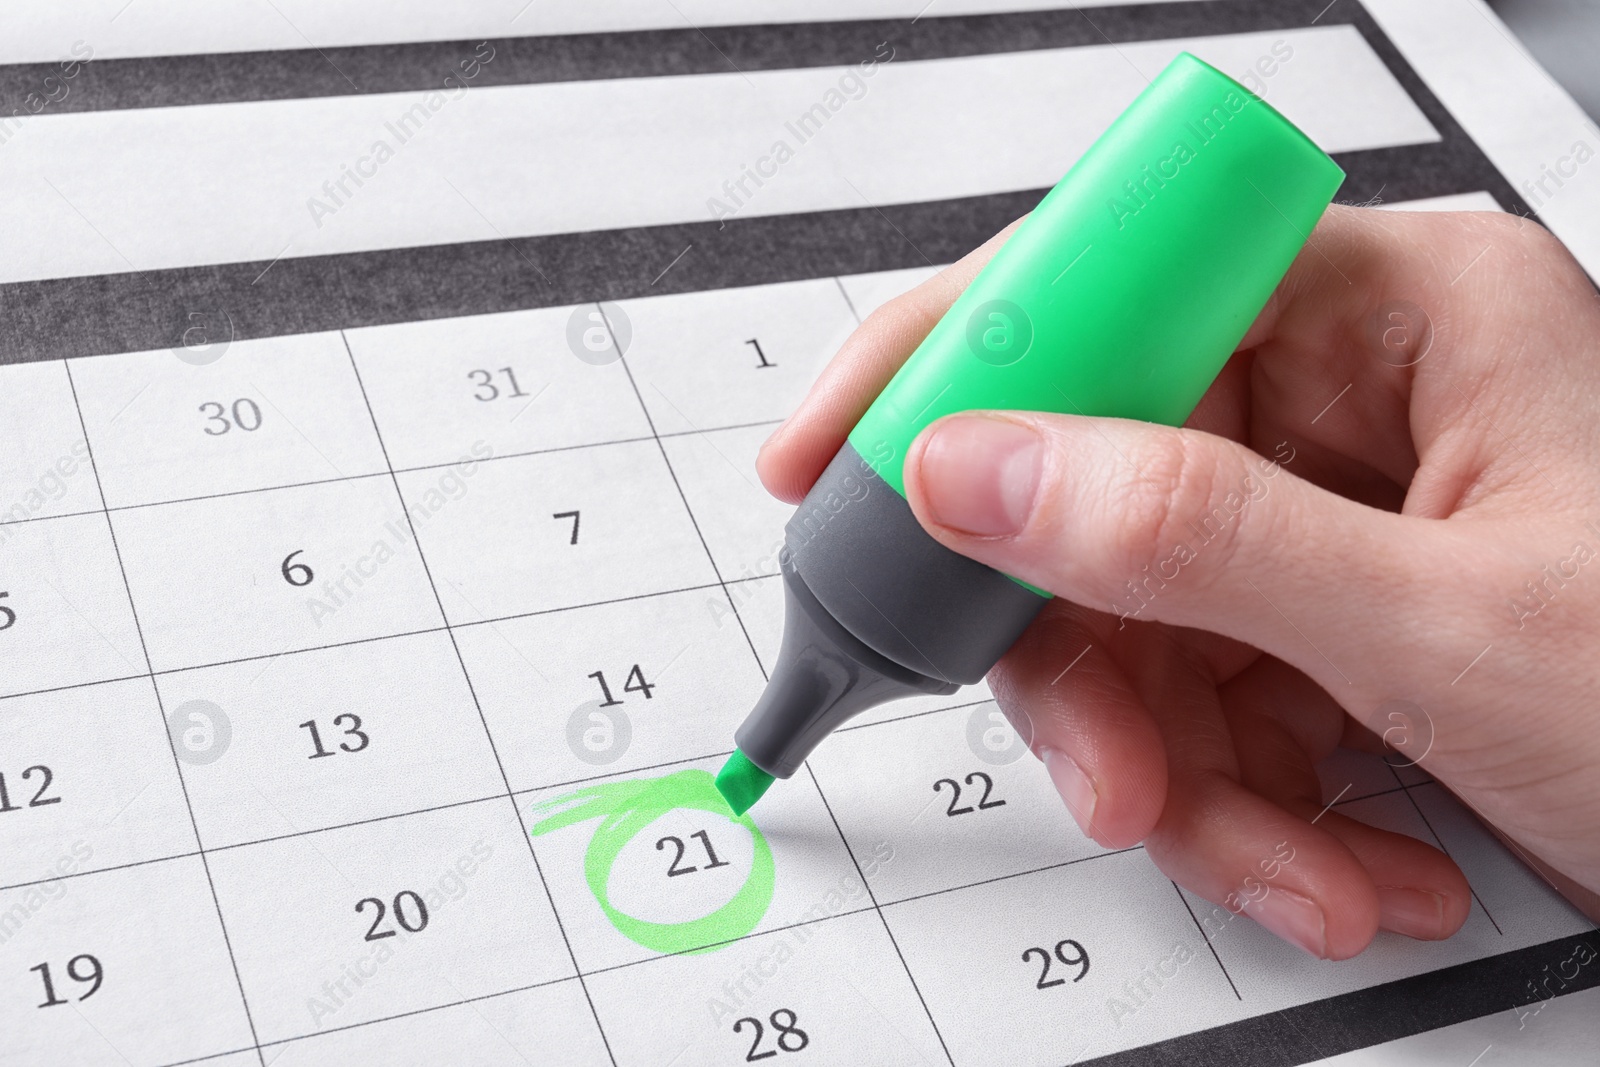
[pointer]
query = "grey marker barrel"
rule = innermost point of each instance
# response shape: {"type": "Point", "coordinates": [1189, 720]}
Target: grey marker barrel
{"type": "Point", "coordinates": [875, 610]}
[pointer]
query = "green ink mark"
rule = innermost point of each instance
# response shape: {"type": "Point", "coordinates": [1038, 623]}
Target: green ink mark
{"type": "Point", "coordinates": [627, 808]}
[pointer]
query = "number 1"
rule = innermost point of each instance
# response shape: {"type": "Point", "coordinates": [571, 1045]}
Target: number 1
{"type": "Point", "coordinates": [762, 356]}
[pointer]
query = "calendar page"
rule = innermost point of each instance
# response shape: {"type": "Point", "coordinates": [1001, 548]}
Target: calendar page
{"type": "Point", "coordinates": [383, 570]}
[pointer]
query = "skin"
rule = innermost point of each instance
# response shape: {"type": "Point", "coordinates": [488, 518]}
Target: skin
{"type": "Point", "coordinates": [1429, 387]}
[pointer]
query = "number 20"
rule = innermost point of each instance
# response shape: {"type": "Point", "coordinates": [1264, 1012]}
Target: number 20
{"type": "Point", "coordinates": [414, 926]}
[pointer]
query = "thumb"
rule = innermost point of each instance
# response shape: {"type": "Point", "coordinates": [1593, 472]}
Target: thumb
{"type": "Point", "coordinates": [1153, 523]}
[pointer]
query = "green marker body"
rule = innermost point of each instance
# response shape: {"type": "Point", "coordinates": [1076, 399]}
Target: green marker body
{"type": "Point", "coordinates": [1122, 294]}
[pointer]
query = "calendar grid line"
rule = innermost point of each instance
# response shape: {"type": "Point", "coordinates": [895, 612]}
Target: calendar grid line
{"type": "Point", "coordinates": [531, 791]}
{"type": "Point", "coordinates": [1213, 948]}
{"type": "Point", "coordinates": [1445, 849]}
{"type": "Point", "coordinates": [462, 1002]}
{"type": "Point", "coordinates": [280, 1042]}
{"type": "Point", "coordinates": [724, 943]}
{"type": "Point", "coordinates": [8, 523]}
{"type": "Point", "coordinates": [766, 677]}
{"type": "Point", "coordinates": [91, 872]}
{"type": "Point", "coordinates": [520, 794]}
{"type": "Point", "coordinates": [417, 469]}
{"type": "Point", "coordinates": [745, 578]}
{"type": "Point", "coordinates": [589, 973]}
{"type": "Point", "coordinates": [913, 715]}
{"type": "Point", "coordinates": [165, 671]}
{"type": "Point", "coordinates": [161, 709]}
{"type": "Point", "coordinates": [851, 304]}
{"type": "Point", "coordinates": [523, 794]}
{"type": "Point", "coordinates": [1520, 855]}
{"type": "Point", "coordinates": [571, 978]}
{"type": "Point", "coordinates": [666, 459]}
{"type": "Point", "coordinates": [878, 910]}
{"type": "Point", "coordinates": [208, 1057]}
{"type": "Point", "coordinates": [1009, 877]}
{"type": "Point", "coordinates": [71, 686]}
{"type": "Point", "coordinates": [472, 690]}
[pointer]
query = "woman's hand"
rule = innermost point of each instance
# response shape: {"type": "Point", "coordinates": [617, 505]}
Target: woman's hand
{"type": "Point", "coordinates": [1391, 494]}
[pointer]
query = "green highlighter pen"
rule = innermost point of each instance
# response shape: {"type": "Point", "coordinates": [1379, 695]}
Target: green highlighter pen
{"type": "Point", "coordinates": [1122, 294]}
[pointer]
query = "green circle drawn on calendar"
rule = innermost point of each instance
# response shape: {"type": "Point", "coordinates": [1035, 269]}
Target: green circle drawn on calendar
{"type": "Point", "coordinates": [626, 808]}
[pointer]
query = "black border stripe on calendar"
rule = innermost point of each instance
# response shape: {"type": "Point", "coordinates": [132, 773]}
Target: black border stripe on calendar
{"type": "Point", "coordinates": [237, 77]}
{"type": "Point", "coordinates": [137, 311]}
{"type": "Point", "coordinates": [1519, 982]}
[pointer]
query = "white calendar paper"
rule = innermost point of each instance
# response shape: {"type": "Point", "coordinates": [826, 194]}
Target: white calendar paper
{"type": "Point", "coordinates": [380, 592]}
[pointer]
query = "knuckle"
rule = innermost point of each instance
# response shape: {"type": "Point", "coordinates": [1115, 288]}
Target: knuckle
{"type": "Point", "coordinates": [1167, 486]}
{"type": "Point", "coordinates": [912, 312]}
{"type": "Point", "coordinates": [1182, 502]}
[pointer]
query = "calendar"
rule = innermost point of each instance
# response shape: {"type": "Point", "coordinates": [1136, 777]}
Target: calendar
{"type": "Point", "coordinates": [376, 610]}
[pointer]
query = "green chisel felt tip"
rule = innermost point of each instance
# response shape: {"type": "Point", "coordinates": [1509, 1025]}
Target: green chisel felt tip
{"type": "Point", "coordinates": [741, 782]}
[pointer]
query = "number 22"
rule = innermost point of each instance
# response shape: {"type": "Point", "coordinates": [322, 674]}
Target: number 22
{"type": "Point", "coordinates": [984, 803]}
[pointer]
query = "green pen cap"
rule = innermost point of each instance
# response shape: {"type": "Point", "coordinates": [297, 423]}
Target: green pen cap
{"type": "Point", "coordinates": [1122, 294]}
{"type": "Point", "coordinates": [1133, 281]}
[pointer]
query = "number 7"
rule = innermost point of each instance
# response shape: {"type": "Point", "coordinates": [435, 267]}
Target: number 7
{"type": "Point", "coordinates": [573, 515]}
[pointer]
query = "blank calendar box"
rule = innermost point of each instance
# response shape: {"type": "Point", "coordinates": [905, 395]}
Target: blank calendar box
{"type": "Point", "coordinates": [88, 782]}
{"type": "Point", "coordinates": [268, 412]}
{"type": "Point", "coordinates": [153, 1004]}
{"type": "Point", "coordinates": [511, 382]}
{"type": "Point", "coordinates": [813, 875]}
{"type": "Point", "coordinates": [999, 965]}
{"type": "Point", "coordinates": [949, 809]}
{"type": "Point", "coordinates": [729, 357]}
{"type": "Point", "coordinates": [64, 613]}
{"type": "Point", "coordinates": [47, 469]}
{"type": "Point", "coordinates": [351, 925]}
{"type": "Point", "coordinates": [741, 522]}
{"type": "Point", "coordinates": [548, 1025]}
{"type": "Point", "coordinates": [534, 533]}
{"type": "Point", "coordinates": [834, 990]}
{"type": "Point", "coordinates": [270, 572]}
{"type": "Point", "coordinates": [334, 736]}
{"type": "Point", "coordinates": [606, 689]}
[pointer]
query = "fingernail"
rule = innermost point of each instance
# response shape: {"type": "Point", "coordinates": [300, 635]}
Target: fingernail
{"type": "Point", "coordinates": [1073, 785]}
{"type": "Point", "coordinates": [1414, 912]}
{"type": "Point", "coordinates": [979, 474]}
{"type": "Point", "coordinates": [1294, 918]}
